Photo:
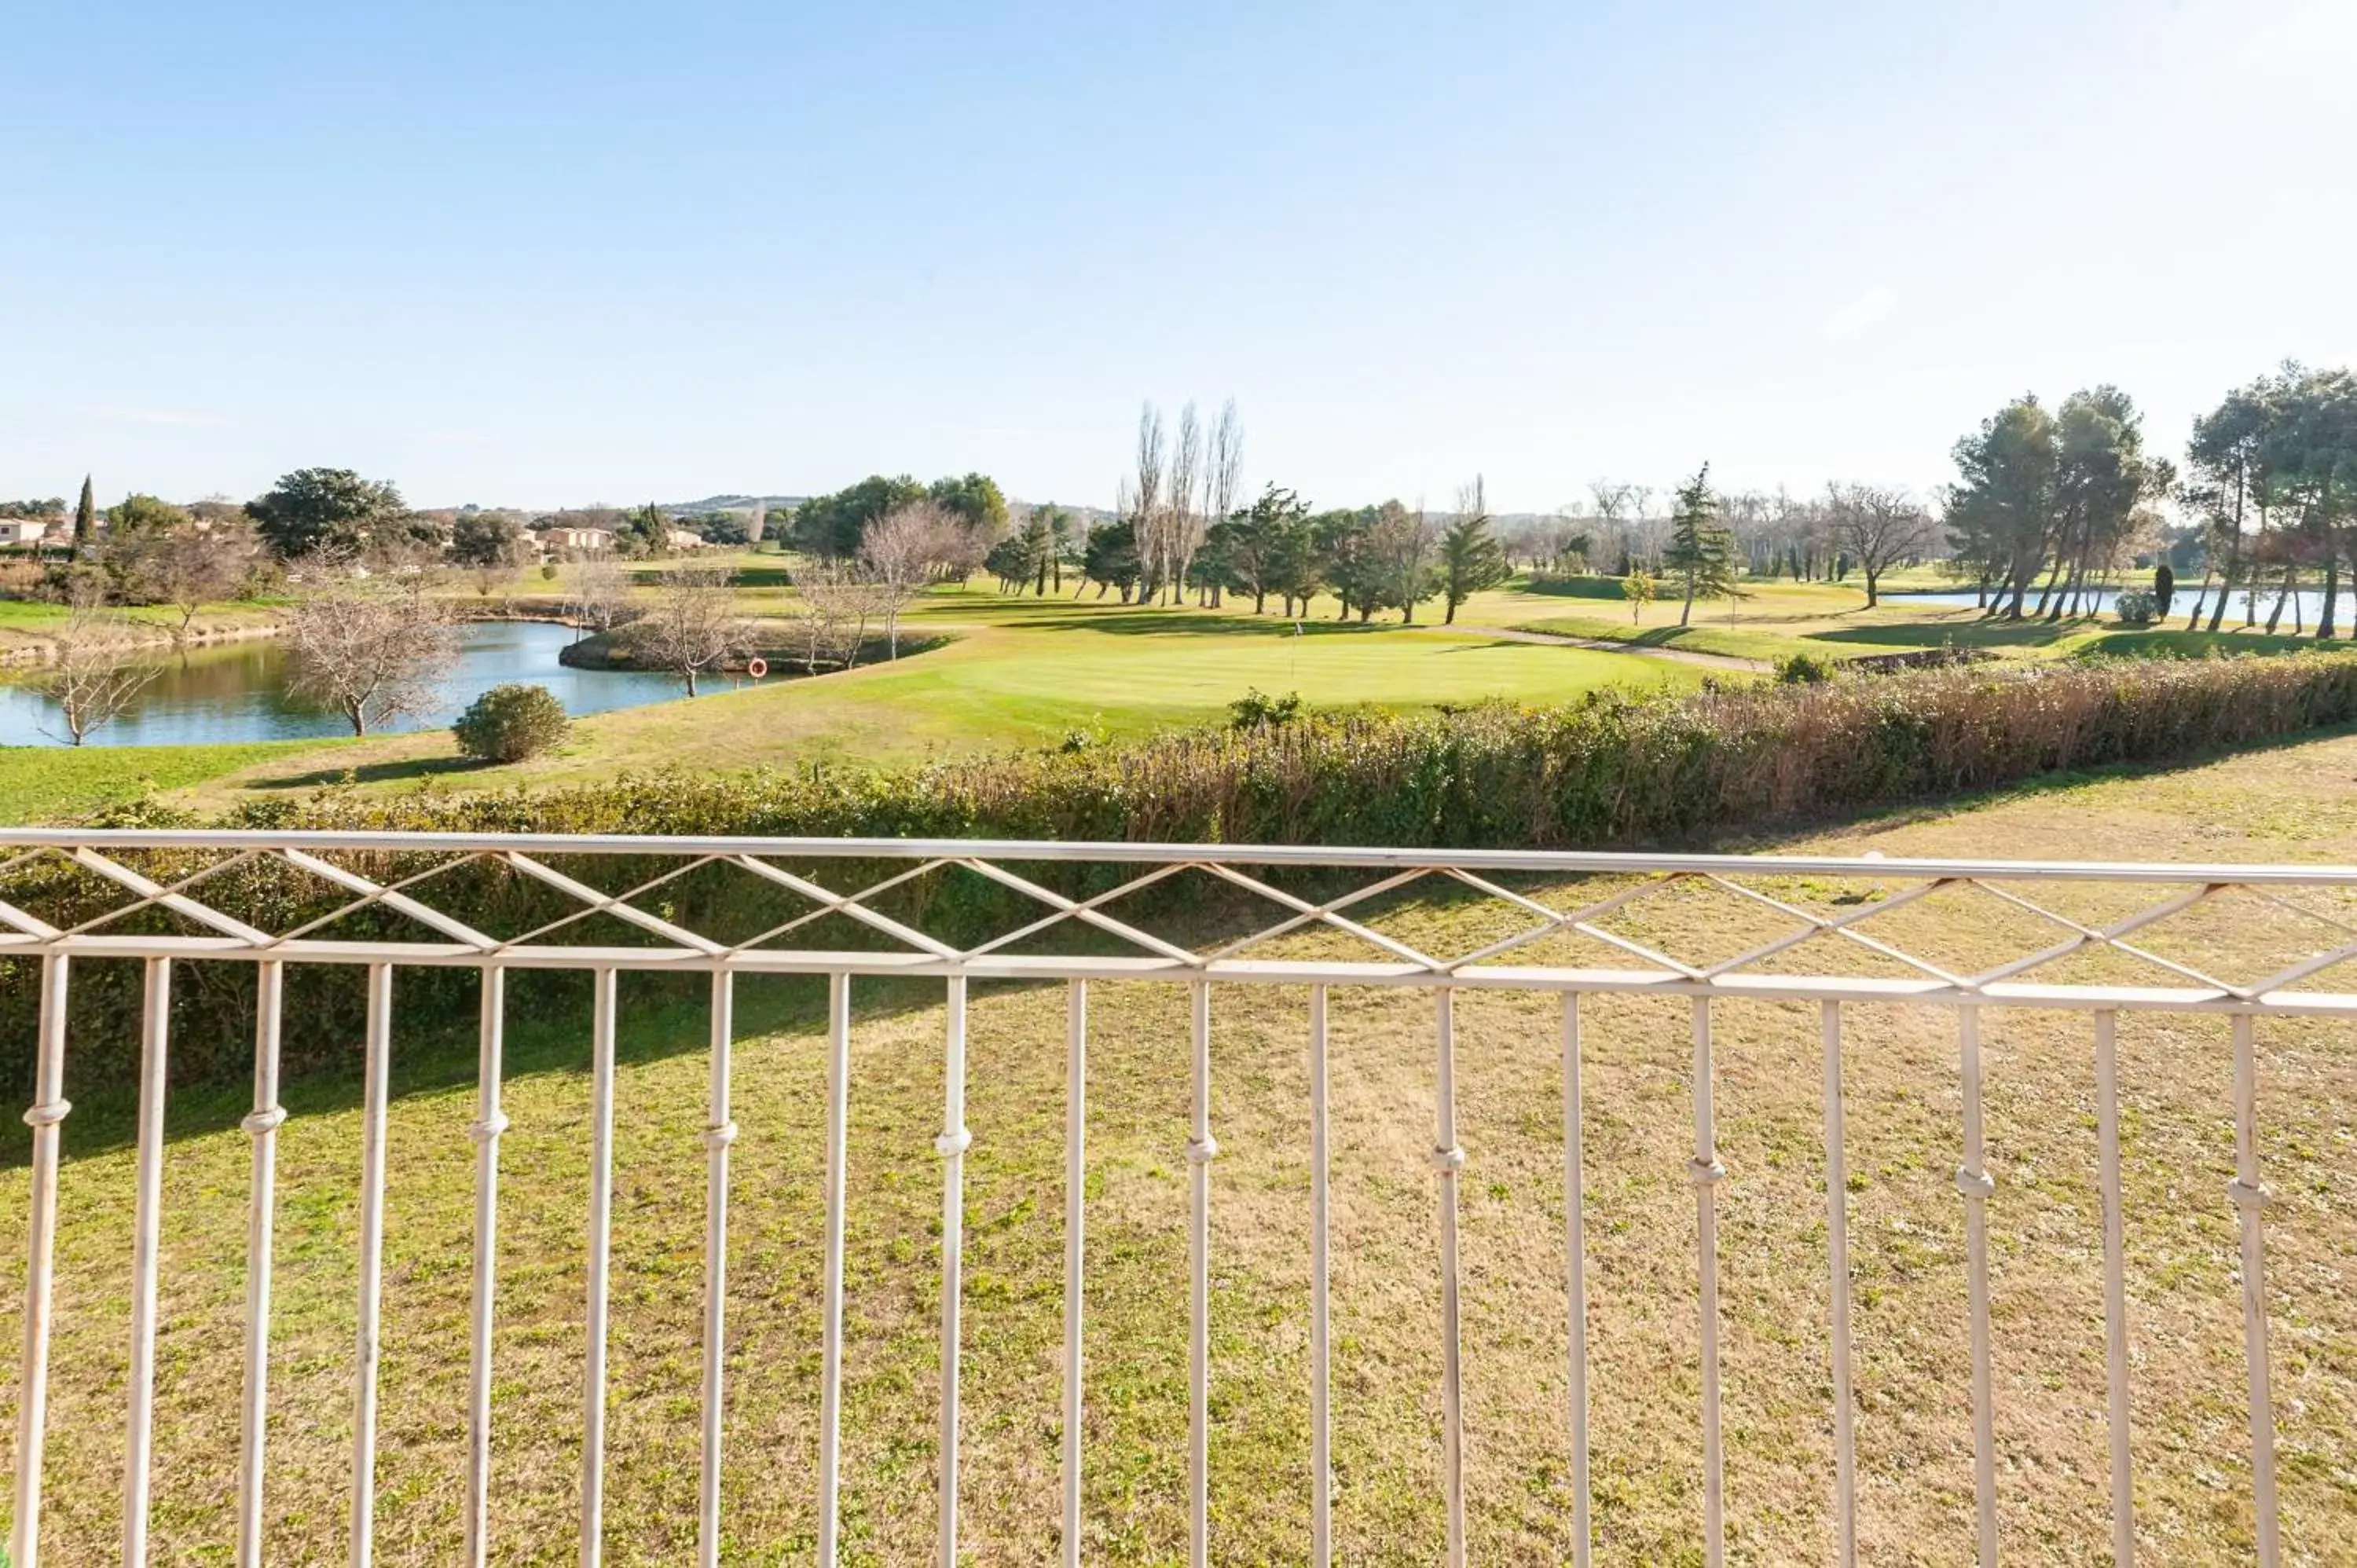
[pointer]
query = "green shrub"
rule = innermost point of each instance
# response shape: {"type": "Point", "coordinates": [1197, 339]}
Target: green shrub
{"type": "Point", "coordinates": [1804, 670]}
{"type": "Point", "coordinates": [1257, 710]}
{"type": "Point", "coordinates": [508, 724]}
{"type": "Point", "coordinates": [2135, 606]}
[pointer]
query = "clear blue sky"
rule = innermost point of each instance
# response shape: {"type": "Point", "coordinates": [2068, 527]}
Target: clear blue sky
{"type": "Point", "coordinates": [539, 253]}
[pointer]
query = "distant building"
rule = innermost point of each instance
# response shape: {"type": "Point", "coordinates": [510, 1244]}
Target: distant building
{"type": "Point", "coordinates": [681, 539]}
{"type": "Point", "coordinates": [26, 532]}
{"type": "Point", "coordinates": [577, 541]}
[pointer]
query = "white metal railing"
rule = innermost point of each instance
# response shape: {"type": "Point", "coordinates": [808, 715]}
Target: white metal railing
{"type": "Point", "coordinates": [361, 868]}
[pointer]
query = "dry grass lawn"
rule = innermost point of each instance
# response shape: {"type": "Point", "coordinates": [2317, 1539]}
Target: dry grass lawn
{"type": "Point", "coordinates": [2192, 1483]}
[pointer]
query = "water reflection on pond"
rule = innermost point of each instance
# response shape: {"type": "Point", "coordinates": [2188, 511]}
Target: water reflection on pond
{"type": "Point", "coordinates": [236, 692]}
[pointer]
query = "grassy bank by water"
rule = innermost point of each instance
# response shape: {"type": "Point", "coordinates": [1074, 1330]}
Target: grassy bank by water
{"type": "Point", "coordinates": [45, 783]}
{"type": "Point", "coordinates": [1017, 673]}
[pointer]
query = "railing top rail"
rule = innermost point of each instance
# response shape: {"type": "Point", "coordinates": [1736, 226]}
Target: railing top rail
{"type": "Point", "coordinates": [1562, 862]}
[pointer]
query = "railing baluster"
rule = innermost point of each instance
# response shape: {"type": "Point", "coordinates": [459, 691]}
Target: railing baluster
{"type": "Point", "coordinates": [719, 1134]}
{"type": "Point", "coordinates": [377, 1070]}
{"type": "Point", "coordinates": [952, 1145]}
{"type": "Point", "coordinates": [489, 1122]}
{"type": "Point", "coordinates": [47, 1113]}
{"type": "Point", "coordinates": [1707, 1173]}
{"type": "Point", "coordinates": [1448, 1159]}
{"type": "Point", "coordinates": [1202, 1149]}
{"type": "Point", "coordinates": [1321, 1428]}
{"type": "Point", "coordinates": [601, 1228]}
{"type": "Point", "coordinates": [1975, 1182]}
{"type": "Point", "coordinates": [229, 938]}
{"type": "Point", "coordinates": [2249, 1197]}
{"type": "Point", "coordinates": [1076, 1129]}
{"type": "Point", "coordinates": [838, 1115]}
{"type": "Point", "coordinates": [2115, 1288]}
{"type": "Point", "coordinates": [270, 992]}
{"type": "Point", "coordinates": [1837, 1263]}
{"type": "Point", "coordinates": [1574, 1244]}
{"type": "Point", "coordinates": [155, 1033]}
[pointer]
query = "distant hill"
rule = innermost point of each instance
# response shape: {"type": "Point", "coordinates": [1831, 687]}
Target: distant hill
{"type": "Point", "coordinates": [735, 503]}
{"type": "Point", "coordinates": [775, 505]}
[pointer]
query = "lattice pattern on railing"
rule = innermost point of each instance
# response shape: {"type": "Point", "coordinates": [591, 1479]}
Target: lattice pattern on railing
{"type": "Point", "coordinates": [207, 896]}
{"type": "Point", "coordinates": [1966, 935]}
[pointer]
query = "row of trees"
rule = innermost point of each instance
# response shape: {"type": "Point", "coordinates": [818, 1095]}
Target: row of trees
{"type": "Point", "coordinates": [2272, 484]}
{"type": "Point", "coordinates": [835, 527]}
{"type": "Point", "coordinates": [2062, 494]}
{"type": "Point", "coordinates": [1372, 558]}
{"type": "Point", "coordinates": [2056, 498]}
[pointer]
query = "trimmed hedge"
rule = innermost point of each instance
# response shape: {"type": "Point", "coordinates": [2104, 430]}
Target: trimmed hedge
{"type": "Point", "coordinates": [1610, 771]}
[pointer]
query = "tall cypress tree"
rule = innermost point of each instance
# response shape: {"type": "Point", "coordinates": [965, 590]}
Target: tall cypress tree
{"type": "Point", "coordinates": [85, 520]}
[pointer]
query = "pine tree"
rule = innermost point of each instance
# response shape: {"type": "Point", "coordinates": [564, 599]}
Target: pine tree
{"type": "Point", "coordinates": [1701, 551]}
{"type": "Point", "coordinates": [85, 521]}
{"type": "Point", "coordinates": [1471, 557]}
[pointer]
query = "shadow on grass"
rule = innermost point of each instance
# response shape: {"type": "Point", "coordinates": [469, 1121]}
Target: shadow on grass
{"type": "Point", "coordinates": [1963, 634]}
{"type": "Point", "coordinates": [1573, 588]}
{"type": "Point", "coordinates": [388, 772]}
{"type": "Point", "coordinates": [2158, 643]}
{"type": "Point", "coordinates": [1133, 621]}
{"type": "Point", "coordinates": [747, 576]}
{"type": "Point", "coordinates": [547, 1031]}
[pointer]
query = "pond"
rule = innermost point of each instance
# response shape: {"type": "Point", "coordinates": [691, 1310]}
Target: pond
{"type": "Point", "coordinates": [236, 690]}
{"type": "Point", "coordinates": [2307, 601]}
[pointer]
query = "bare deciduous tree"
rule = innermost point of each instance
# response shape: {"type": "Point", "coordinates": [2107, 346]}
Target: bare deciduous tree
{"type": "Point", "coordinates": [900, 553]}
{"type": "Point", "coordinates": [1878, 526]}
{"type": "Point", "coordinates": [823, 611]}
{"type": "Point", "coordinates": [596, 592]}
{"type": "Point", "coordinates": [372, 648]}
{"type": "Point", "coordinates": [188, 567]}
{"type": "Point", "coordinates": [91, 677]}
{"type": "Point", "coordinates": [1406, 546]}
{"type": "Point", "coordinates": [1147, 510]}
{"type": "Point", "coordinates": [1183, 531]}
{"type": "Point", "coordinates": [692, 625]}
{"type": "Point", "coordinates": [1224, 482]}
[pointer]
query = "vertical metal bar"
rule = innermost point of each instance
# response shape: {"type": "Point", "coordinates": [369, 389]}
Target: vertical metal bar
{"type": "Point", "coordinates": [490, 1121]}
{"type": "Point", "coordinates": [1837, 1263]}
{"type": "Point", "coordinates": [719, 1134]}
{"type": "Point", "coordinates": [1574, 1243]}
{"type": "Point", "coordinates": [1202, 1149]}
{"type": "Point", "coordinates": [373, 1103]}
{"type": "Point", "coordinates": [154, 1044]}
{"type": "Point", "coordinates": [49, 1110]}
{"type": "Point", "coordinates": [952, 1145]}
{"type": "Point", "coordinates": [1974, 1181]}
{"type": "Point", "coordinates": [1707, 1173]}
{"type": "Point", "coordinates": [838, 1114]}
{"type": "Point", "coordinates": [2249, 1197]}
{"type": "Point", "coordinates": [1448, 1159]}
{"type": "Point", "coordinates": [601, 1228]}
{"type": "Point", "coordinates": [1321, 1441]}
{"type": "Point", "coordinates": [262, 1124]}
{"type": "Point", "coordinates": [1076, 1131]}
{"type": "Point", "coordinates": [2115, 1289]}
